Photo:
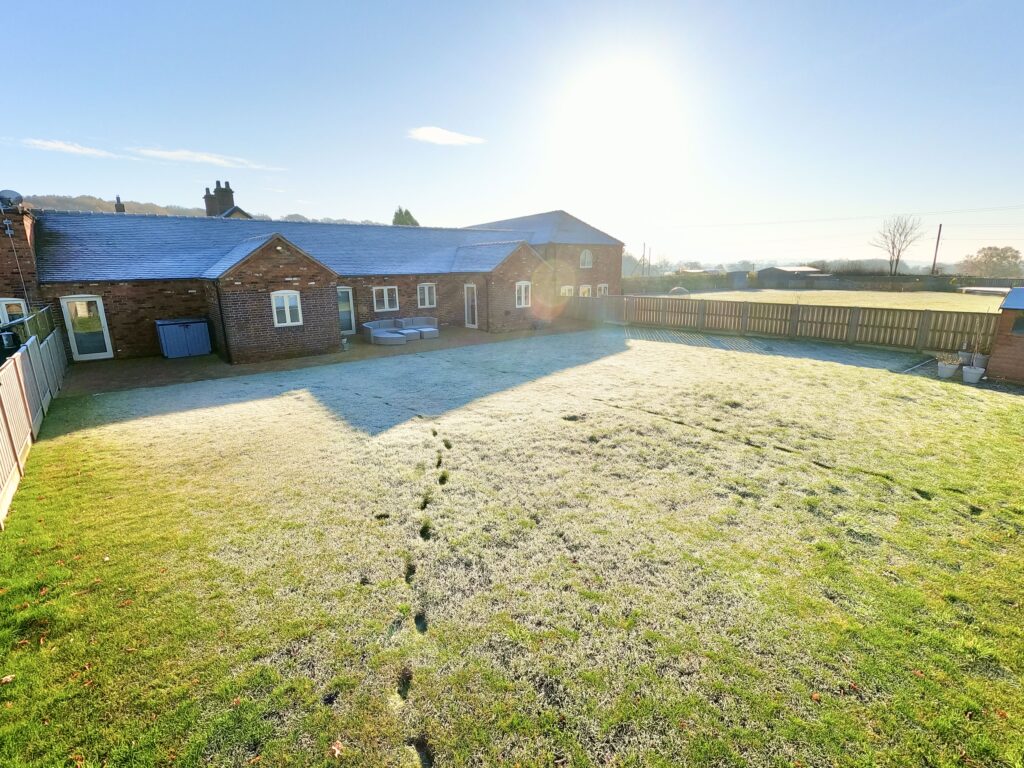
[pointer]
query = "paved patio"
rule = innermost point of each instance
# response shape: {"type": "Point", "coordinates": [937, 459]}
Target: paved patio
{"type": "Point", "coordinates": [114, 375]}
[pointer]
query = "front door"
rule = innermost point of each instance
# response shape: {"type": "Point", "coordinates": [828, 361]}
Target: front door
{"type": "Point", "coordinates": [470, 291]}
{"type": "Point", "coordinates": [346, 311]}
{"type": "Point", "coordinates": [86, 324]}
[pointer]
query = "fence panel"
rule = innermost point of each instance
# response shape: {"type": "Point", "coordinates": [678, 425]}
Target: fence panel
{"type": "Point", "coordinates": [725, 316]}
{"type": "Point", "coordinates": [769, 319]}
{"type": "Point", "coordinates": [35, 357]}
{"type": "Point", "coordinates": [951, 331]}
{"type": "Point", "coordinates": [823, 323]}
{"type": "Point", "coordinates": [53, 346]}
{"type": "Point", "coordinates": [888, 327]}
{"type": "Point", "coordinates": [30, 388]}
{"type": "Point", "coordinates": [15, 409]}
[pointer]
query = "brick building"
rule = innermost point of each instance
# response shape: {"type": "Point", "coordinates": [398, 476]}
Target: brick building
{"type": "Point", "coordinates": [1007, 360]}
{"type": "Point", "coordinates": [273, 289]}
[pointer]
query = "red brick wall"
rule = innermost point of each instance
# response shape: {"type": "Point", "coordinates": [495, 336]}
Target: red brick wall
{"type": "Point", "coordinates": [247, 315]}
{"type": "Point", "coordinates": [10, 281]}
{"type": "Point", "coordinates": [565, 260]}
{"type": "Point", "coordinates": [450, 309]}
{"type": "Point", "coordinates": [523, 264]}
{"type": "Point", "coordinates": [213, 314]}
{"type": "Point", "coordinates": [1007, 361]}
{"type": "Point", "coordinates": [131, 309]}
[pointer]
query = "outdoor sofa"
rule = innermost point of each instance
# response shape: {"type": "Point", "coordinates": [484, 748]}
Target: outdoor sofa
{"type": "Point", "coordinates": [401, 330]}
{"type": "Point", "coordinates": [427, 326]}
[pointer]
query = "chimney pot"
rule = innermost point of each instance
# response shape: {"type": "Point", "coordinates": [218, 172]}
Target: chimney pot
{"type": "Point", "coordinates": [218, 183]}
{"type": "Point", "coordinates": [118, 205]}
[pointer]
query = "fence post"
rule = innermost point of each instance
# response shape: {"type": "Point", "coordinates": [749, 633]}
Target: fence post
{"type": "Point", "coordinates": [923, 325]}
{"type": "Point", "coordinates": [744, 318]}
{"type": "Point", "coordinates": [702, 311]}
{"type": "Point", "coordinates": [794, 321]}
{"type": "Point", "coordinates": [852, 325]}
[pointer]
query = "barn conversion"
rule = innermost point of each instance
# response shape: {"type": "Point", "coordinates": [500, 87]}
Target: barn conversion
{"type": "Point", "coordinates": [274, 289]}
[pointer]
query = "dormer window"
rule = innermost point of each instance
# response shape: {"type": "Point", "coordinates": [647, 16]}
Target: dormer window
{"type": "Point", "coordinates": [586, 259]}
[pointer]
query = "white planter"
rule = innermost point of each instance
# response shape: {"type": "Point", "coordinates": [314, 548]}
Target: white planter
{"type": "Point", "coordinates": [972, 374]}
{"type": "Point", "coordinates": [979, 360]}
{"type": "Point", "coordinates": [965, 356]}
{"type": "Point", "coordinates": [946, 370]}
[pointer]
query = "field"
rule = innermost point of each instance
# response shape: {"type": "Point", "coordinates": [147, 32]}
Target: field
{"type": "Point", "coordinates": [578, 550]}
{"type": "Point", "coordinates": [952, 302]}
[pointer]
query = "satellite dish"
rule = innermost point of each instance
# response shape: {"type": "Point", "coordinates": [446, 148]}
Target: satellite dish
{"type": "Point", "coordinates": [9, 198]}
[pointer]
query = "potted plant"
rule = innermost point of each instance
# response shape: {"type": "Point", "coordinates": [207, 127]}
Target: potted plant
{"type": "Point", "coordinates": [974, 370]}
{"type": "Point", "coordinates": [948, 363]}
{"type": "Point", "coordinates": [964, 355]}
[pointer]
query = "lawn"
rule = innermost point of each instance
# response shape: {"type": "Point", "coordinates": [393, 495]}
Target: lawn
{"type": "Point", "coordinates": [572, 550]}
{"type": "Point", "coordinates": [952, 302]}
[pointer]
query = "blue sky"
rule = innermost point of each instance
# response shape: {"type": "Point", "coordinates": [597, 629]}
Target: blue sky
{"type": "Point", "coordinates": [683, 125]}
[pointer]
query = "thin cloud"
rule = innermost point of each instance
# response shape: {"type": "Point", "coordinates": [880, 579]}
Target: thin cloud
{"type": "Point", "coordinates": [67, 147]}
{"type": "Point", "coordinates": [431, 134]}
{"type": "Point", "coordinates": [203, 158]}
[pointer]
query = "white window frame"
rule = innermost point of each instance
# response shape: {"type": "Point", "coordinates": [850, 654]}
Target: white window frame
{"type": "Point", "coordinates": [432, 304]}
{"type": "Point", "coordinates": [386, 292]}
{"type": "Point", "coordinates": [602, 289]}
{"type": "Point", "coordinates": [586, 259]}
{"type": "Point", "coordinates": [567, 290]}
{"type": "Point", "coordinates": [524, 294]}
{"type": "Point", "coordinates": [585, 292]}
{"type": "Point", "coordinates": [4, 317]}
{"type": "Point", "coordinates": [284, 296]}
{"type": "Point", "coordinates": [65, 310]}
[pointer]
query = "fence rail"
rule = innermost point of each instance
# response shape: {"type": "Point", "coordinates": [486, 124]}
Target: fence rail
{"type": "Point", "coordinates": [919, 329]}
{"type": "Point", "coordinates": [29, 380]}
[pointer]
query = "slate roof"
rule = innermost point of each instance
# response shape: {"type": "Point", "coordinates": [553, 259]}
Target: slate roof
{"type": "Point", "coordinates": [554, 227]}
{"type": "Point", "coordinates": [1014, 299]}
{"type": "Point", "coordinates": [76, 247]}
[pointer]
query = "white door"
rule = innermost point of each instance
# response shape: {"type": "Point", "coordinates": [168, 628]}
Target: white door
{"type": "Point", "coordinates": [470, 292]}
{"type": "Point", "coordinates": [86, 324]}
{"type": "Point", "coordinates": [346, 311]}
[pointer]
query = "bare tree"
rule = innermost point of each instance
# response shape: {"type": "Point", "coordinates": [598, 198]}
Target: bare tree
{"type": "Point", "coordinates": [896, 235]}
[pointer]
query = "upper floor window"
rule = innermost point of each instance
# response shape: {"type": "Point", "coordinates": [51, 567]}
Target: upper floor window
{"type": "Point", "coordinates": [385, 299]}
{"type": "Point", "coordinates": [602, 289]}
{"type": "Point", "coordinates": [523, 288]}
{"type": "Point", "coordinates": [287, 308]}
{"type": "Point", "coordinates": [567, 290]}
{"type": "Point", "coordinates": [12, 310]}
{"type": "Point", "coordinates": [426, 295]}
{"type": "Point", "coordinates": [586, 259]}
{"type": "Point", "coordinates": [585, 291]}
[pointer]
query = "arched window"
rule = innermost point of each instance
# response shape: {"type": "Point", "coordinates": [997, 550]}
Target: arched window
{"type": "Point", "coordinates": [586, 259]}
{"type": "Point", "coordinates": [287, 308]}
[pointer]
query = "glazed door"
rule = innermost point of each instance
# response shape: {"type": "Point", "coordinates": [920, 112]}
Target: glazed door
{"type": "Point", "coordinates": [346, 311]}
{"type": "Point", "coordinates": [86, 324]}
{"type": "Point", "coordinates": [471, 309]}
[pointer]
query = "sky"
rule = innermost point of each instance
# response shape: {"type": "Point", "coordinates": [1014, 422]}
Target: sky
{"type": "Point", "coordinates": [715, 131]}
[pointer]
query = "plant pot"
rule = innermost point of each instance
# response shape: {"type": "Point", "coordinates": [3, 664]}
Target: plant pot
{"type": "Point", "coordinates": [972, 374]}
{"type": "Point", "coordinates": [946, 370]}
{"type": "Point", "coordinates": [965, 356]}
{"type": "Point", "coordinates": [979, 361]}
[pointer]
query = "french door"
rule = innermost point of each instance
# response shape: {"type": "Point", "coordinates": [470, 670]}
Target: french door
{"type": "Point", "coordinates": [346, 311]}
{"type": "Point", "coordinates": [86, 324]}
{"type": "Point", "coordinates": [471, 308]}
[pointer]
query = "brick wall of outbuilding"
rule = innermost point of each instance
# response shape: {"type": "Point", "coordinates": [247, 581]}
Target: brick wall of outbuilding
{"type": "Point", "coordinates": [523, 264]}
{"type": "Point", "coordinates": [1007, 361]}
{"type": "Point", "coordinates": [450, 309]}
{"type": "Point", "coordinates": [132, 309]}
{"type": "Point", "coordinates": [565, 261]}
{"type": "Point", "coordinates": [247, 314]}
{"type": "Point", "coordinates": [23, 225]}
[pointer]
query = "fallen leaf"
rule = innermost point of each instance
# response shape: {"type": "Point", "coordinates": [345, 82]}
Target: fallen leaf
{"type": "Point", "coordinates": [918, 673]}
{"type": "Point", "coordinates": [255, 760]}
{"type": "Point", "coordinates": [236, 701]}
{"type": "Point", "coordinates": [1002, 713]}
{"type": "Point", "coordinates": [44, 590]}
{"type": "Point", "coordinates": [337, 748]}
{"type": "Point", "coordinates": [6, 679]}
{"type": "Point", "coordinates": [815, 697]}
{"type": "Point", "coordinates": [125, 603]}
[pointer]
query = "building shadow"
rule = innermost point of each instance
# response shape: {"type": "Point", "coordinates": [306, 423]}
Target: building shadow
{"type": "Point", "coordinates": [371, 395]}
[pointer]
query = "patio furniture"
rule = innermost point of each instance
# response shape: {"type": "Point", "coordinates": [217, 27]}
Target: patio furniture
{"type": "Point", "coordinates": [384, 332]}
{"type": "Point", "coordinates": [427, 326]}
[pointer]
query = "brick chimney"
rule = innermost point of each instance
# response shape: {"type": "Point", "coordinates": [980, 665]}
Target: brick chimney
{"type": "Point", "coordinates": [220, 201]}
{"type": "Point", "coordinates": [118, 205]}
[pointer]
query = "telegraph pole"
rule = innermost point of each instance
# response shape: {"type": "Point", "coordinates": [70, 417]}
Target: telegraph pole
{"type": "Point", "coordinates": [935, 260]}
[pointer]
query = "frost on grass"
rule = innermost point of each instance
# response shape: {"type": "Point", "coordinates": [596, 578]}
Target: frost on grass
{"type": "Point", "coordinates": [639, 552]}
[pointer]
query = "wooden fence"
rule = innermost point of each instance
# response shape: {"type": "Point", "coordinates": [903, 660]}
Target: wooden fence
{"type": "Point", "coordinates": [904, 328]}
{"type": "Point", "coordinates": [29, 380]}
